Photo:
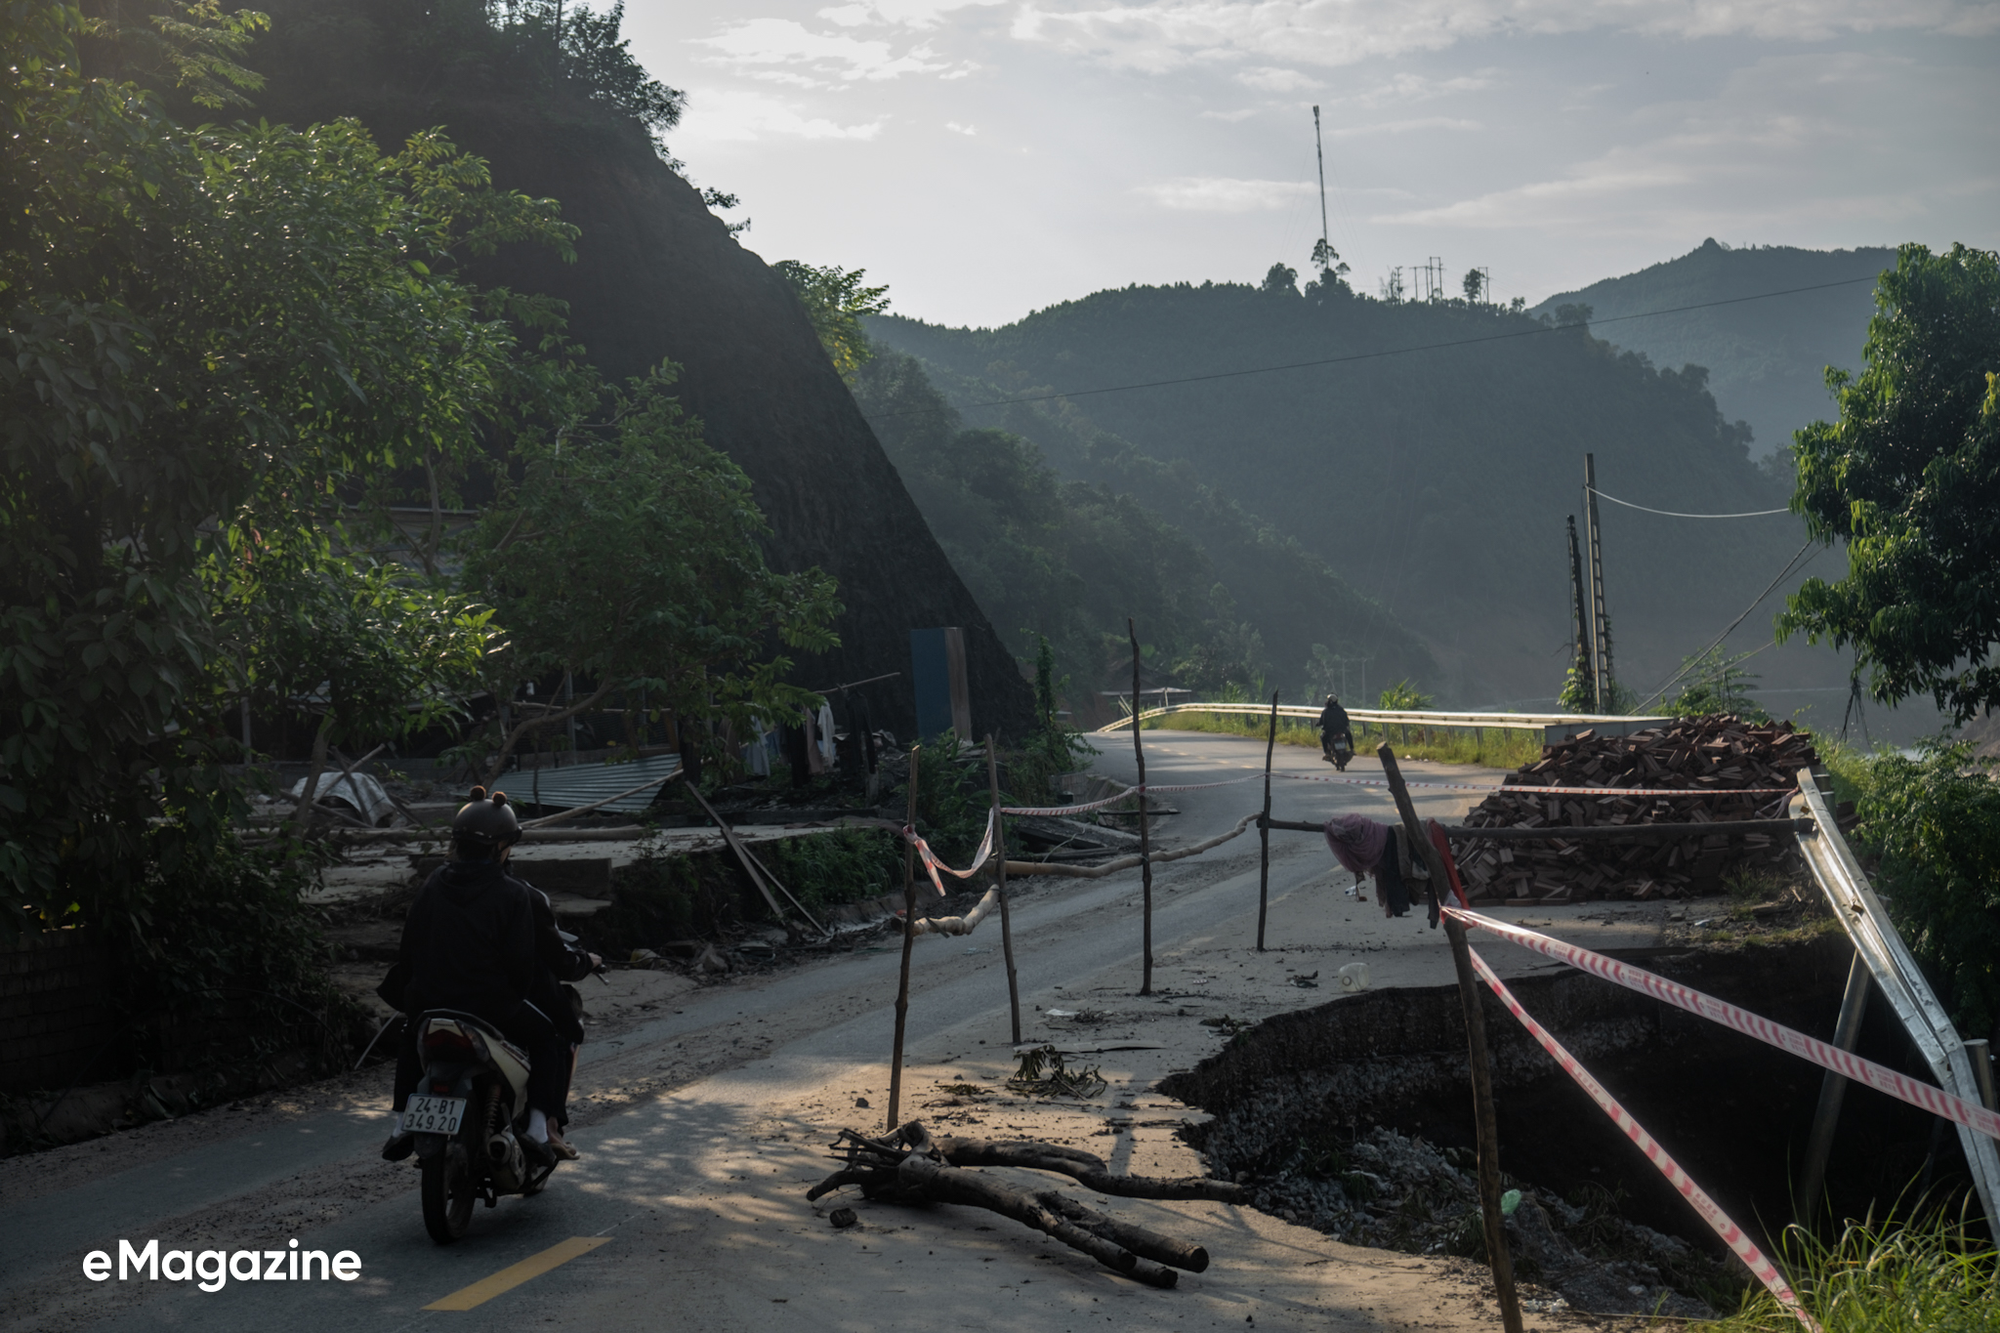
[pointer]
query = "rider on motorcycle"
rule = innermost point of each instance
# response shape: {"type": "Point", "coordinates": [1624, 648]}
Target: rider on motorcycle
{"type": "Point", "coordinates": [474, 942]}
{"type": "Point", "coordinates": [1333, 722]}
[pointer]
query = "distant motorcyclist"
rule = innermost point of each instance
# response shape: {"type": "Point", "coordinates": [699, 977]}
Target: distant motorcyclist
{"type": "Point", "coordinates": [1333, 723]}
{"type": "Point", "coordinates": [472, 942]}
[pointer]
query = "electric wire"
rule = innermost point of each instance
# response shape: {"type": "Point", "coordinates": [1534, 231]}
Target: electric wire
{"type": "Point", "coordinates": [1696, 660]}
{"type": "Point", "coordinates": [1754, 513]}
{"type": "Point", "coordinates": [1369, 356]}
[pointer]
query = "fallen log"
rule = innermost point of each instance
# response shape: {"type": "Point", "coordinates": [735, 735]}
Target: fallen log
{"type": "Point", "coordinates": [909, 1167]}
{"type": "Point", "coordinates": [1087, 1169]}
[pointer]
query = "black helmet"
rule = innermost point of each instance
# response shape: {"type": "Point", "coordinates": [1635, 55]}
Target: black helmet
{"type": "Point", "coordinates": [483, 826]}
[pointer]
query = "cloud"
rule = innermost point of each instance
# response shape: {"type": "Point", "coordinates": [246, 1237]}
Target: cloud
{"type": "Point", "coordinates": [897, 13]}
{"type": "Point", "coordinates": [1402, 127]}
{"type": "Point", "coordinates": [1241, 113]}
{"type": "Point", "coordinates": [1223, 194]}
{"type": "Point", "coordinates": [1172, 34]}
{"type": "Point", "coordinates": [727, 115]}
{"type": "Point", "coordinates": [1270, 79]}
{"type": "Point", "coordinates": [956, 128]}
{"type": "Point", "coordinates": [1757, 154]}
{"type": "Point", "coordinates": [781, 49]}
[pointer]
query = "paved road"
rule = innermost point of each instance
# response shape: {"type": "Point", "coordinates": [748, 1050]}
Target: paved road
{"type": "Point", "coordinates": [651, 1171]}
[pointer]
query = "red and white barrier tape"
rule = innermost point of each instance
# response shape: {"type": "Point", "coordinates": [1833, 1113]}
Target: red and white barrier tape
{"type": "Point", "coordinates": [933, 865]}
{"type": "Point", "coordinates": [1732, 1235]}
{"type": "Point", "coordinates": [1917, 1093]}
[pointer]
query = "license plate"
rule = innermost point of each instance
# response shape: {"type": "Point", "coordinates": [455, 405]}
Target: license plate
{"type": "Point", "coordinates": [433, 1115]}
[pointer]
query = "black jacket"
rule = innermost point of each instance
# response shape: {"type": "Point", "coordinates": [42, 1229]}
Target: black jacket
{"type": "Point", "coordinates": [470, 943]}
{"type": "Point", "coordinates": [1333, 721]}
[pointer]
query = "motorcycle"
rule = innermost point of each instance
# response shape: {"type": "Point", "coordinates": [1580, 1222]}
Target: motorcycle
{"type": "Point", "coordinates": [468, 1115]}
{"type": "Point", "coordinates": [1338, 750]}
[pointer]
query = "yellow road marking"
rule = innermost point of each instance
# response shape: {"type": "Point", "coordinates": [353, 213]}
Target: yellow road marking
{"type": "Point", "coordinates": [507, 1279]}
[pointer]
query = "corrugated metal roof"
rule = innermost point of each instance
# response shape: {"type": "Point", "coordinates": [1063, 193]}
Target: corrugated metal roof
{"type": "Point", "coordinates": [570, 786]}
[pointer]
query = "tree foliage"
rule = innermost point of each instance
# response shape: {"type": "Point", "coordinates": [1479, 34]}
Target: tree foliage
{"type": "Point", "coordinates": [208, 333]}
{"type": "Point", "coordinates": [835, 300]}
{"type": "Point", "coordinates": [623, 549]}
{"type": "Point", "coordinates": [1909, 478]}
{"type": "Point", "coordinates": [1934, 822]}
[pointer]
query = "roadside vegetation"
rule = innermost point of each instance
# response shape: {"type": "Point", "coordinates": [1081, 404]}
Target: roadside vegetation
{"type": "Point", "coordinates": [233, 354]}
{"type": "Point", "coordinates": [1922, 1274]}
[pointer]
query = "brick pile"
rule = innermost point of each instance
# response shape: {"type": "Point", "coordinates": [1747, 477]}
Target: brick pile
{"type": "Point", "coordinates": [1718, 753]}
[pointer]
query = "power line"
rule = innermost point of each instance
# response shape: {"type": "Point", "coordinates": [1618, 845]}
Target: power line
{"type": "Point", "coordinates": [1373, 356]}
{"type": "Point", "coordinates": [1696, 660]}
{"type": "Point", "coordinates": [1755, 513]}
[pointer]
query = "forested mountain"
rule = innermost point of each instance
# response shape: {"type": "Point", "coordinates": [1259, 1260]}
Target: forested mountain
{"type": "Point", "coordinates": [1766, 358]}
{"type": "Point", "coordinates": [558, 108]}
{"type": "Point", "coordinates": [1220, 599]}
{"type": "Point", "coordinates": [1429, 456]}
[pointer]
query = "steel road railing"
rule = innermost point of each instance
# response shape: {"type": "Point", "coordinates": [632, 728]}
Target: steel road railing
{"type": "Point", "coordinates": [1896, 973]}
{"type": "Point", "coordinates": [1416, 718]}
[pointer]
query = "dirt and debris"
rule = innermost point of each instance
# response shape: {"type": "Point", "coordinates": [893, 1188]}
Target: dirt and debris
{"type": "Point", "coordinates": [1400, 1192]}
{"type": "Point", "coordinates": [1719, 753]}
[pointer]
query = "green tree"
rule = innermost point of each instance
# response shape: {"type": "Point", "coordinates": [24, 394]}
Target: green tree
{"type": "Point", "coordinates": [1935, 823]}
{"type": "Point", "coordinates": [626, 552]}
{"type": "Point", "coordinates": [836, 300]}
{"type": "Point", "coordinates": [1909, 478]}
{"type": "Point", "coordinates": [1717, 683]}
{"type": "Point", "coordinates": [366, 651]}
{"type": "Point", "coordinates": [207, 333]}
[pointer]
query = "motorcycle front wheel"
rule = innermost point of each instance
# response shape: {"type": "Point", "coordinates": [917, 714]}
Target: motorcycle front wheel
{"type": "Point", "coordinates": [448, 1192]}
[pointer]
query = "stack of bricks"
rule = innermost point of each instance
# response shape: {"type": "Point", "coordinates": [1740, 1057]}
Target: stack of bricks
{"type": "Point", "coordinates": [1716, 754]}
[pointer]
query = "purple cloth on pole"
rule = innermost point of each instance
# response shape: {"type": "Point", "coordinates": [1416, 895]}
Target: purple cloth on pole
{"type": "Point", "coordinates": [1357, 841]}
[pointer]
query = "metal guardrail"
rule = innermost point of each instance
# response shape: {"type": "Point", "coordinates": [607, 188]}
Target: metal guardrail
{"type": "Point", "coordinates": [1545, 723]}
{"type": "Point", "coordinates": [1896, 974]}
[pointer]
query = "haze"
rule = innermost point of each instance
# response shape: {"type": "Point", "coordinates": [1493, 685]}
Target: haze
{"type": "Point", "coordinates": [987, 157]}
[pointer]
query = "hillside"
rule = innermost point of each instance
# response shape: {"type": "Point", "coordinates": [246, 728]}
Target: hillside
{"type": "Point", "coordinates": [1220, 598]}
{"type": "Point", "coordinates": [1766, 359]}
{"type": "Point", "coordinates": [1434, 481]}
{"type": "Point", "coordinates": [658, 277]}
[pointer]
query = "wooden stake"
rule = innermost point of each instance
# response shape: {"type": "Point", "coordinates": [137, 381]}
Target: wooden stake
{"type": "Point", "coordinates": [909, 939]}
{"type": "Point", "coordinates": [1145, 852]}
{"type": "Point", "coordinates": [1475, 1035]}
{"type": "Point", "coordinates": [1000, 883]}
{"type": "Point", "coordinates": [1264, 825]}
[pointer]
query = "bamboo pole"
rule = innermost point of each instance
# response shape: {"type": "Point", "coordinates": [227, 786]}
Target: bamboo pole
{"type": "Point", "coordinates": [1264, 827]}
{"type": "Point", "coordinates": [1145, 852]}
{"type": "Point", "coordinates": [909, 939]}
{"type": "Point", "coordinates": [1475, 1035]}
{"type": "Point", "coordinates": [1000, 883]}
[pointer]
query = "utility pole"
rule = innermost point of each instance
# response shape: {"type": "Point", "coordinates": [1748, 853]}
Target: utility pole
{"type": "Point", "coordinates": [1319, 152]}
{"type": "Point", "coordinates": [1579, 616]}
{"type": "Point", "coordinates": [1600, 630]}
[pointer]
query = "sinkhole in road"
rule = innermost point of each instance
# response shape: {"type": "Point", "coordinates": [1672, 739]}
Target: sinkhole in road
{"type": "Point", "coordinates": [1355, 1117]}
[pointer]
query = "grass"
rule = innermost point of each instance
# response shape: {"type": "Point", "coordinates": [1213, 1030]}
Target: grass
{"type": "Point", "coordinates": [1883, 1276]}
{"type": "Point", "coordinates": [1492, 747]}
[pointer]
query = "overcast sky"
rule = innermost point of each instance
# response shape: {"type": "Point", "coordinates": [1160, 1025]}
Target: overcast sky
{"type": "Point", "coordinates": [989, 157]}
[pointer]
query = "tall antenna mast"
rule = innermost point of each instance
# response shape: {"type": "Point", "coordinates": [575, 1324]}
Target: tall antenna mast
{"type": "Point", "coordinates": [1319, 152]}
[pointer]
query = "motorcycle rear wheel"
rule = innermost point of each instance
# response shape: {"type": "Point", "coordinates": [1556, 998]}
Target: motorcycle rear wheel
{"type": "Point", "coordinates": [448, 1192]}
